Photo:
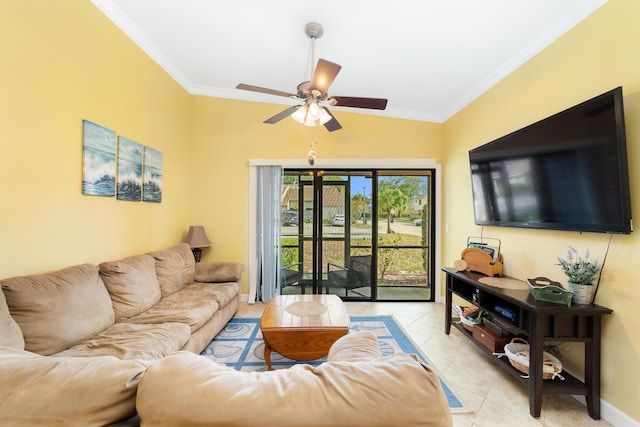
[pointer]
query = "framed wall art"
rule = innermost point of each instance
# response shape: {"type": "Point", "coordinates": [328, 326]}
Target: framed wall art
{"type": "Point", "coordinates": [98, 160]}
{"type": "Point", "coordinates": [152, 183]}
{"type": "Point", "coordinates": [129, 170]}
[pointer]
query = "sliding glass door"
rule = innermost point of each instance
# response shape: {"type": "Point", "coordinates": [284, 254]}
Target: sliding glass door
{"type": "Point", "coordinates": [359, 234]}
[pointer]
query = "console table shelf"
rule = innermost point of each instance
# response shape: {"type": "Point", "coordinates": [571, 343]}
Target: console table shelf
{"type": "Point", "coordinates": [539, 322]}
{"type": "Point", "coordinates": [570, 385]}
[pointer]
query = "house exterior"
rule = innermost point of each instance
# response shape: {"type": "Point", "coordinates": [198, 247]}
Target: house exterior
{"type": "Point", "coordinates": [333, 201]}
{"type": "Point", "coordinates": [418, 204]}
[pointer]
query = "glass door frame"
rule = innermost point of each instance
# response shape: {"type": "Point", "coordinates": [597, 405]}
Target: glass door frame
{"type": "Point", "coordinates": [318, 260]}
{"type": "Point", "coordinates": [318, 184]}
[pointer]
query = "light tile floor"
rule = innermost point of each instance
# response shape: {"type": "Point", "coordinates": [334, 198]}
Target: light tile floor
{"type": "Point", "coordinates": [494, 397]}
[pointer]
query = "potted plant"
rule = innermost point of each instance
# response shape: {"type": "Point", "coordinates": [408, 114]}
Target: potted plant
{"type": "Point", "coordinates": [581, 273]}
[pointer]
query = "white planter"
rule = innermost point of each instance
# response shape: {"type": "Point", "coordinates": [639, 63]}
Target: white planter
{"type": "Point", "coordinates": [582, 294]}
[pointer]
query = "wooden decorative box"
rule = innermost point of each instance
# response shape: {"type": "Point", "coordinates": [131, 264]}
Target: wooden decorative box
{"type": "Point", "coordinates": [481, 262]}
{"type": "Point", "coordinates": [489, 339]}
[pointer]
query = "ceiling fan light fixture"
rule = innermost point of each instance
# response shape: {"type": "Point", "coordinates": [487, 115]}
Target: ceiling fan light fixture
{"type": "Point", "coordinates": [324, 116]}
{"type": "Point", "coordinates": [311, 115]}
{"type": "Point", "coordinates": [300, 114]}
{"type": "Point", "coordinates": [314, 111]}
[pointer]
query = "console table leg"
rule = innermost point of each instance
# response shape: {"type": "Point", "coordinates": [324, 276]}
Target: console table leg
{"type": "Point", "coordinates": [536, 346]}
{"type": "Point", "coordinates": [592, 352]}
{"type": "Point", "coordinates": [447, 306]}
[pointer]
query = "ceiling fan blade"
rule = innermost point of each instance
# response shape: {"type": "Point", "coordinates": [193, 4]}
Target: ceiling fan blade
{"type": "Point", "coordinates": [332, 124]}
{"type": "Point", "coordinates": [265, 90]}
{"type": "Point", "coordinates": [350, 101]}
{"type": "Point", "coordinates": [324, 75]}
{"type": "Point", "coordinates": [281, 115]}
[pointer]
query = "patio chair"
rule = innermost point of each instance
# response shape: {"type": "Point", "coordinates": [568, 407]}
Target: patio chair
{"type": "Point", "coordinates": [357, 275]}
{"type": "Point", "coordinates": [291, 275]}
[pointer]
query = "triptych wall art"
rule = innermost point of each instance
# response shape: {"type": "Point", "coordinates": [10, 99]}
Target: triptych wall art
{"type": "Point", "coordinates": [118, 166]}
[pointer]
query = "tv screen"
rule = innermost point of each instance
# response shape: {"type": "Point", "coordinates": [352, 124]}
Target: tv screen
{"type": "Point", "coordinates": [566, 172]}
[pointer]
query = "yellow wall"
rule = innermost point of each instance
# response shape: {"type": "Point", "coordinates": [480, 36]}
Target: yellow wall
{"type": "Point", "coordinates": [60, 63]}
{"type": "Point", "coordinates": [228, 133]}
{"type": "Point", "coordinates": [599, 54]}
{"type": "Point", "coordinates": [67, 62]}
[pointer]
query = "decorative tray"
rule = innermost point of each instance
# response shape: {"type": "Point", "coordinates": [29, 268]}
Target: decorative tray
{"type": "Point", "coordinates": [543, 289]}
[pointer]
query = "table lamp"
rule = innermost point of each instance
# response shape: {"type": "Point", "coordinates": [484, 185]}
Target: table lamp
{"type": "Point", "coordinates": [197, 239]}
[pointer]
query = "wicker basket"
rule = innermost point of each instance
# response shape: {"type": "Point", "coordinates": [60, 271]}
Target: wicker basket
{"type": "Point", "coordinates": [518, 353]}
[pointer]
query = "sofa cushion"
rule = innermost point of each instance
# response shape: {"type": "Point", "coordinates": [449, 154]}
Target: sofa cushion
{"type": "Point", "coordinates": [59, 309]}
{"type": "Point", "coordinates": [389, 391]}
{"type": "Point", "coordinates": [355, 347]}
{"type": "Point", "coordinates": [133, 341]}
{"type": "Point", "coordinates": [221, 292]}
{"type": "Point", "coordinates": [132, 284]}
{"type": "Point", "coordinates": [10, 333]}
{"type": "Point", "coordinates": [64, 391]}
{"type": "Point", "coordinates": [215, 272]}
{"type": "Point", "coordinates": [175, 268]}
{"type": "Point", "coordinates": [191, 308]}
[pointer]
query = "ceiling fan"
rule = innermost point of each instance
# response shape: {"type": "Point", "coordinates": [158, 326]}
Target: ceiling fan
{"type": "Point", "coordinates": [314, 94]}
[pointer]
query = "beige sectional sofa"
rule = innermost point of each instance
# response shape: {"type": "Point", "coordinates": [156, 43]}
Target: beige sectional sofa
{"type": "Point", "coordinates": [75, 342]}
{"type": "Point", "coordinates": [94, 345]}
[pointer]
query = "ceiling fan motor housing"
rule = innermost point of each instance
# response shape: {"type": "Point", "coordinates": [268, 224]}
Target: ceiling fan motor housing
{"type": "Point", "coordinates": [314, 30]}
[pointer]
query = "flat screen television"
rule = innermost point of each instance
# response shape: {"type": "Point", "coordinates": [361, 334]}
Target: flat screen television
{"type": "Point", "coordinates": [566, 172]}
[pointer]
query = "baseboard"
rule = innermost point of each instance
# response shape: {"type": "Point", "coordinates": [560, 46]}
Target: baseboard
{"type": "Point", "coordinates": [611, 414]}
{"type": "Point", "coordinates": [245, 298]}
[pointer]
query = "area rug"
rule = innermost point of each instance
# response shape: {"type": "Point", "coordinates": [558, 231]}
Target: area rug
{"type": "Point", "coordinates": [240, 346]}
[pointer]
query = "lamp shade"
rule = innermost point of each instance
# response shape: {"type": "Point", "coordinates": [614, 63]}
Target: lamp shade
{"type": "Point", "coordinates": [197, 238]}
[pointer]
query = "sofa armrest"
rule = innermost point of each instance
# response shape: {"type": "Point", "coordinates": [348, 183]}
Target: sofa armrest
{"type": "Point", "coordinates": [218, 272]}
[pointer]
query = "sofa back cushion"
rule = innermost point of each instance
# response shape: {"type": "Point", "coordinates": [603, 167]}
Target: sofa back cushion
{"type": "Point", "coordinates": [132, 284]}
{"type": "Point", "coordinates": [10, 333]}
{"type": "Point", "coordinates": [175, 268]}
{"type": "Point", "coordinates": [59, 309]}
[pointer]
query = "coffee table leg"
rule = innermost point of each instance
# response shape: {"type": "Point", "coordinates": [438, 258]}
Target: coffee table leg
{"type": "Point", "coordinates": [267, 354]}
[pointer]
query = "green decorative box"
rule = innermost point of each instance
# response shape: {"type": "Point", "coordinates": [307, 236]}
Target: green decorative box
{"type": "Point", "coordinates": [543, 289]}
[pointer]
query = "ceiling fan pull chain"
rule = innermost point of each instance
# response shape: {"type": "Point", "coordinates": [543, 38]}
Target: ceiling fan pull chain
{"type": "Point", "coordinates": [311, 156]}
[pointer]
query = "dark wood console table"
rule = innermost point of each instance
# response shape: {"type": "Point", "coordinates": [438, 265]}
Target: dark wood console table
{"type": "Point", "coordinates": [540, 322]}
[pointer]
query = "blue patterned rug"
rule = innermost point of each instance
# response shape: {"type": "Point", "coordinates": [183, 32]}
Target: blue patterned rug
{"type": "Point", "coordinates": [240, 346]}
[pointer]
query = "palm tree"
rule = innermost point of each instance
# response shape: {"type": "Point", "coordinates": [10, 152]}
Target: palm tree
{"type": "Point", "coordinates": [359, 204]}
{"type": "Point", "coordinates": [390, 200]}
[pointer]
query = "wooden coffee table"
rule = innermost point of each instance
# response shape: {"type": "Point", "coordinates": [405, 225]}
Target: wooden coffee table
{"type": "Point", "coordinates": [302, 327]}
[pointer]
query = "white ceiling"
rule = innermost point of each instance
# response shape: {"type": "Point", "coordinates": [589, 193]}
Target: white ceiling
{"type": "Point", "coordinates": [429, 58]}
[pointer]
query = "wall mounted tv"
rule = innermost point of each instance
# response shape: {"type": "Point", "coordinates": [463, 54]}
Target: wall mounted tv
{"type": "Point", "coordinates": [566, 172]}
